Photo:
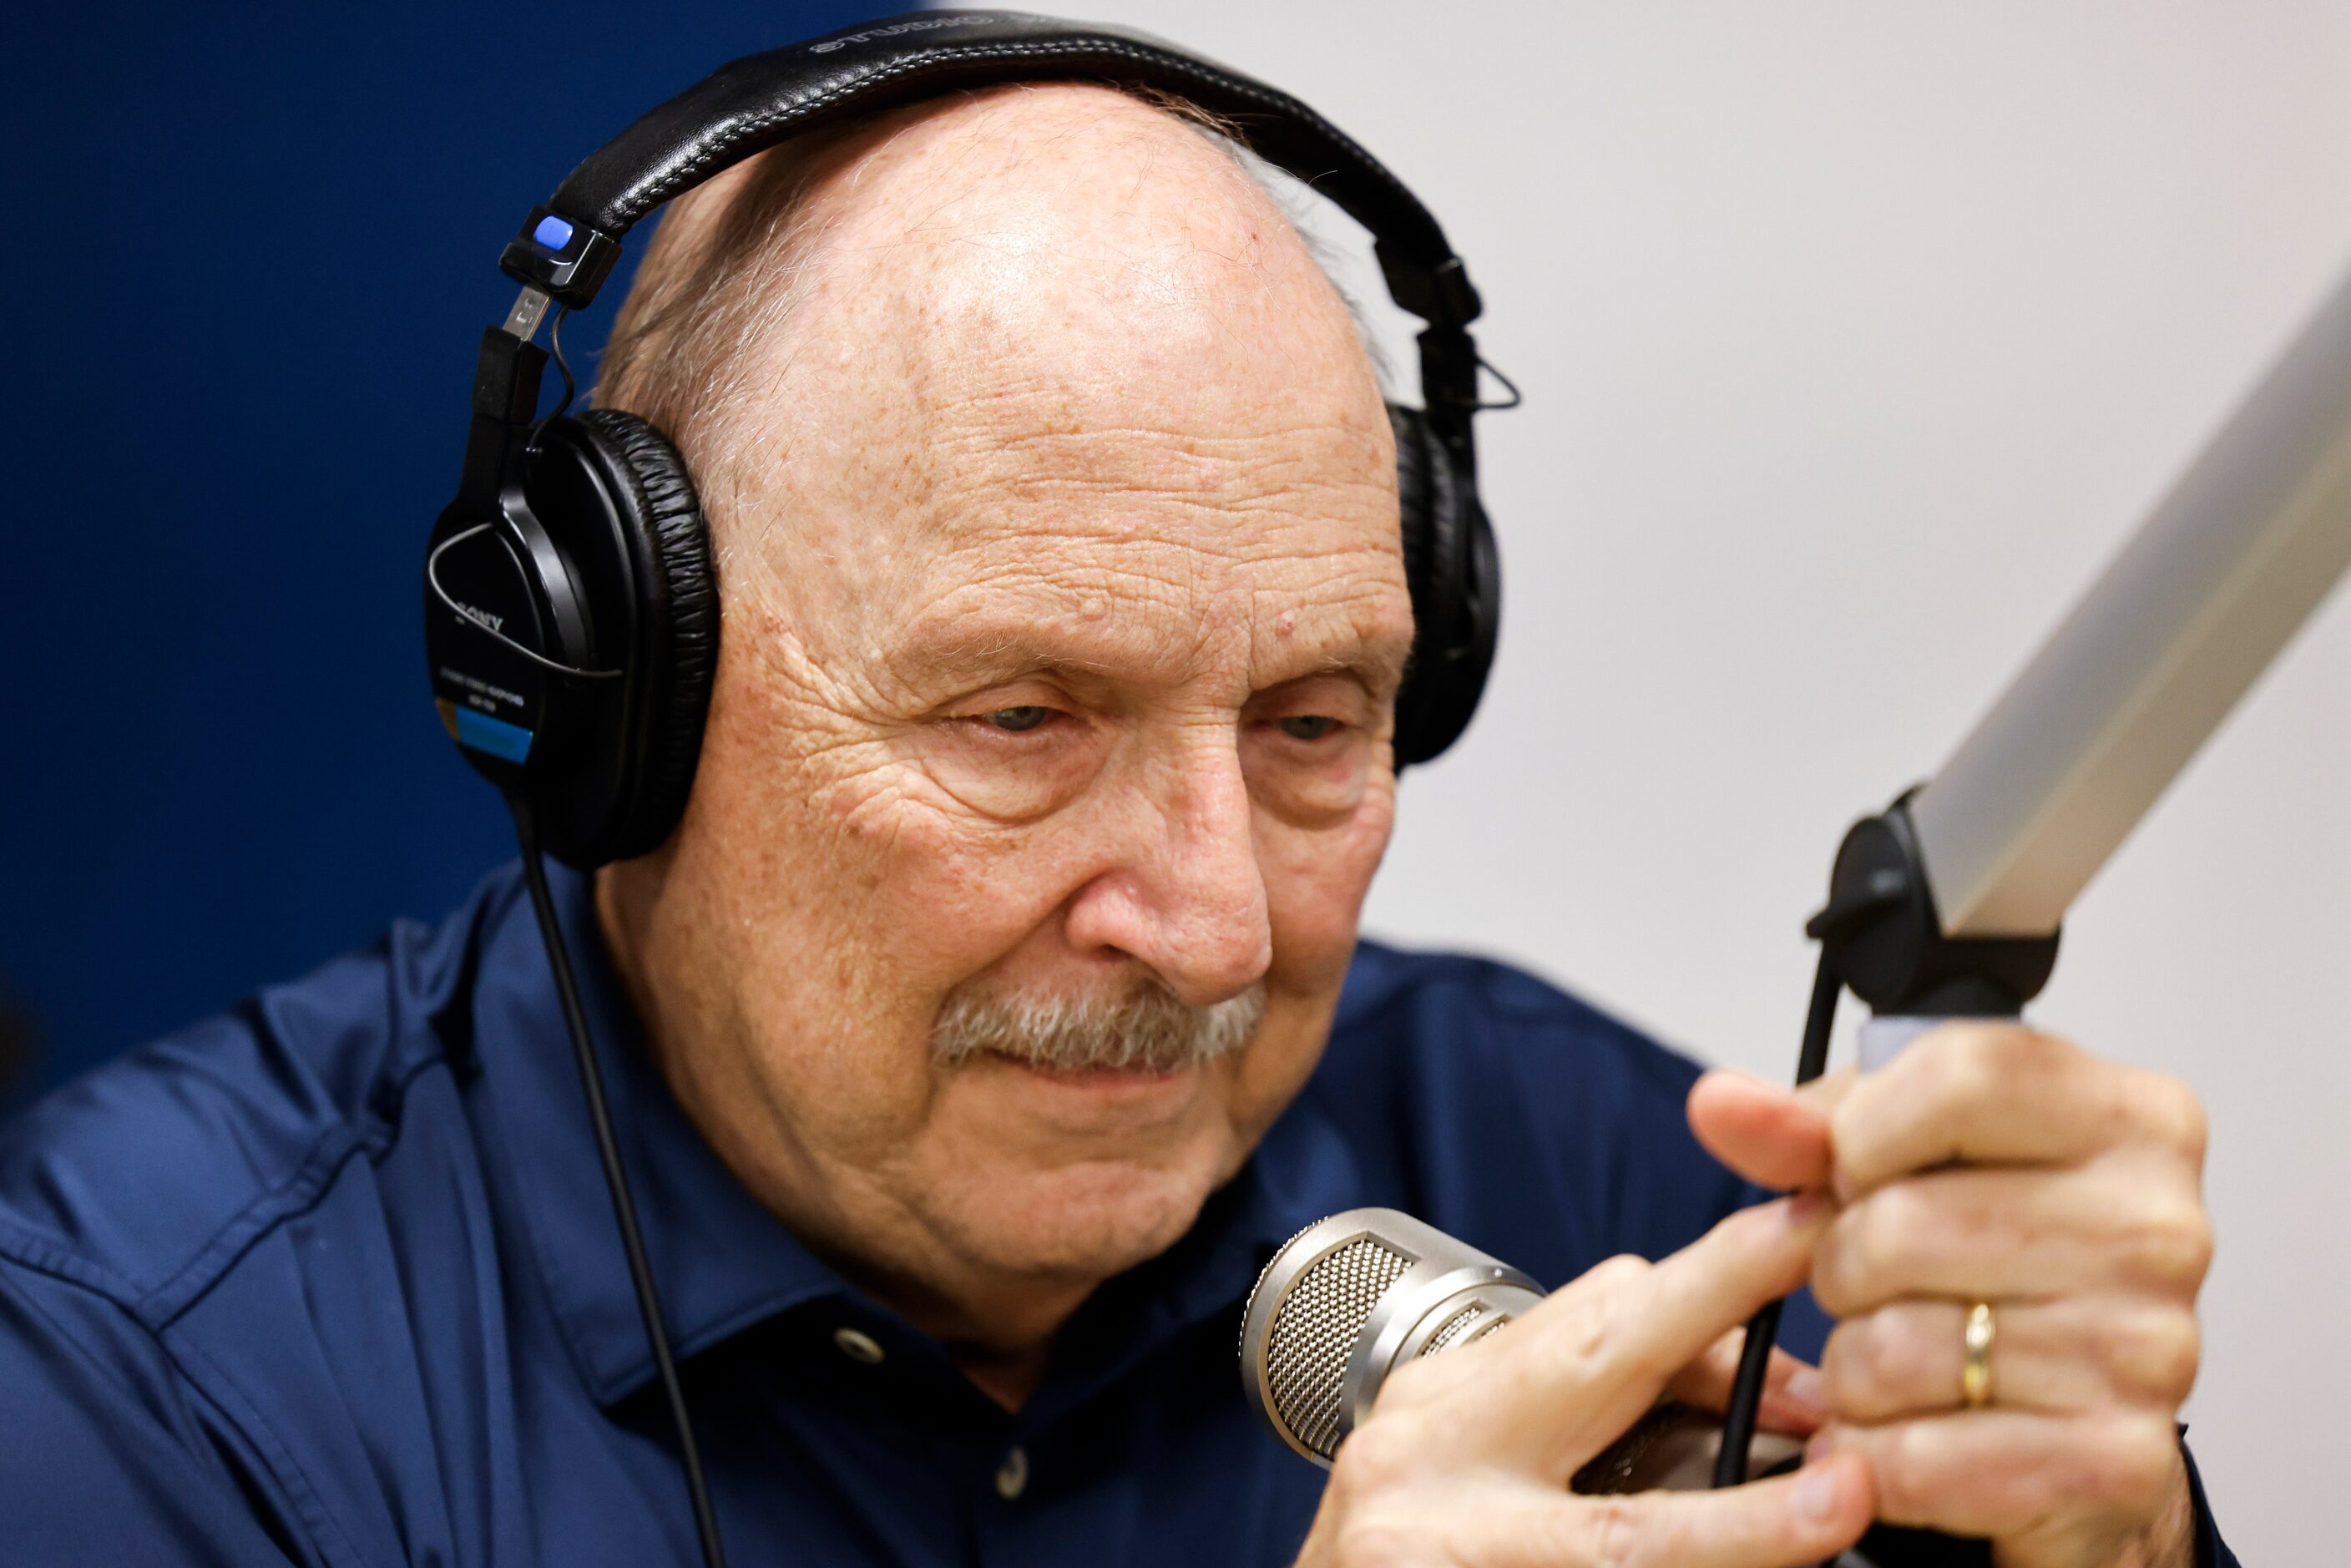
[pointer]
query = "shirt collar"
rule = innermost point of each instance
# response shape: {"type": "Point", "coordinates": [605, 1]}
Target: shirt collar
{"type": "Point", "coordinates": [721, 1261]}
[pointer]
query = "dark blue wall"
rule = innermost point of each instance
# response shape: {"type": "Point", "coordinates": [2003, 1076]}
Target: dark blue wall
{"type": "Point", "coordinates": [248, 252]}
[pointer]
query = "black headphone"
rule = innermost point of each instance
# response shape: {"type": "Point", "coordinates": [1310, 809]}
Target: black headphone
{"type": "Point", "coordinates": [571, 604]}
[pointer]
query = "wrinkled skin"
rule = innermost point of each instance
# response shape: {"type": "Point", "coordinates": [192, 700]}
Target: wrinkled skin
{"type": "Point", "coordinates": [1064, 614]}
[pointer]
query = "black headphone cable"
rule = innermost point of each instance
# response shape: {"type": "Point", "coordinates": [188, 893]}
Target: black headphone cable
{"type": "Point", "coordinates": [607, 1150]}
{"type": "Point", "coordinates": [1763, 1328]}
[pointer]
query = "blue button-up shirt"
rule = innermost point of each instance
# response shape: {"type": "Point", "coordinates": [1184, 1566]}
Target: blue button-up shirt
{"type": "Point", "coordinates": [333, 1278]}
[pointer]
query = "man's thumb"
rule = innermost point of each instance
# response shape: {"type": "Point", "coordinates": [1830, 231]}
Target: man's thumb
{"type": "Point", "coordinates": [1774, 1137]}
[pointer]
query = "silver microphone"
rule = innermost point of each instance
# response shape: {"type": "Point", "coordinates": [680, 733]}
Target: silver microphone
{"type": "Point", "coordinates": [1350, 1299]}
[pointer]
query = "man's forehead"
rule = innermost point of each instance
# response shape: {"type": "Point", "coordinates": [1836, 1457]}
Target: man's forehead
{"type": "Point", "coordinates": [1154, 534]}
{"type": "Point", "coordinates": [1158, 525]}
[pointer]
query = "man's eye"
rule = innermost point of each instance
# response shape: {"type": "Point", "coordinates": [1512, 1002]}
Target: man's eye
{"type": "Point", "coordinates": [1309, 725]}
{"type": "Point", "coordinates": [1016, 719]}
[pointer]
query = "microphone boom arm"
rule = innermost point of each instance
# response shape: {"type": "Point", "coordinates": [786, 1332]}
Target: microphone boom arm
{"type": "Point", "coordinates": [1947, 903]}
{"type": "Point", "coordinates": [2154, 656]}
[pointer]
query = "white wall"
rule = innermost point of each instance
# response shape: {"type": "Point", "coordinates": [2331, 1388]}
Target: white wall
{"type": "Point", "coordinates": [1854, 337]}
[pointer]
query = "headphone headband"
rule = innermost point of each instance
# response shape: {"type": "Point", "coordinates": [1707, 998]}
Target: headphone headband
{"type": "Point", "coordinates": [568, 247]}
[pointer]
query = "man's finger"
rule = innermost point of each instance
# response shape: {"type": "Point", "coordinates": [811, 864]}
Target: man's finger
{"type": "Point", "coordinates": [1795, 1398]}
{"type": "Point", "coordinates": [1976, 1234]}
{"type": "Point", "coordinates": [1777, 1523]}
{"type": "Point", "coordinates": [1579, 1368]}
{"type": "Point", "coordinates": [2005, 1473]}
{"type": "Point", "coordinates": [2000, 1093]}
{"type": "Point", "coordinates": [1773, 1136]}
{"type": "Point", "coordinates": [2057, 1357]}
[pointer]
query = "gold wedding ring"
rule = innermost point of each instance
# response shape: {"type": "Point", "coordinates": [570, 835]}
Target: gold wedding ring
{"type": "Point", "coordinates": [1975, 1377]}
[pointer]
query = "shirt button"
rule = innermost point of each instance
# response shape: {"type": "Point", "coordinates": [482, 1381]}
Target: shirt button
{"type": "Point", "coordinates": [1012, 1475]}
{"type": "Point", "coordinates": [857, 1347]}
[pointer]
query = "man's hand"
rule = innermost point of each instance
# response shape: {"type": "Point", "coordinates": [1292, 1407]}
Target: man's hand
{"type": "Point", "coordinates": [1990, 1163]}
{"type": "Point", "coordinates": [1467, 1457]}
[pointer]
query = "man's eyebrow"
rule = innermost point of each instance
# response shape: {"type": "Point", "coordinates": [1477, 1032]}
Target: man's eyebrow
{"type": "Point", "coordinates": [1006, 657]}
{"type": "Point", "coordinates": [1377, 666]}
{"type": "Point", "coordinates": [1001, 654]}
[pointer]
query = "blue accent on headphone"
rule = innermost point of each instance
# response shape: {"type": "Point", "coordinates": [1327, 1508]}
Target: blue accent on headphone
{"type": "Point", "coordinates": [552, 232]}
{"type": "Point", "coordinates": [495, 735]}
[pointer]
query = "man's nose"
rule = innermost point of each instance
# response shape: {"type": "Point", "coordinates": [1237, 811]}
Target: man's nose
{"type": "Point", "coordinates": [1187, 897]}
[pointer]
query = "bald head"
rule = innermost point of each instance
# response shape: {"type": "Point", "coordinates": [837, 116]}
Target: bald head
{"type": "Point", "coordinates": [1061, 240]}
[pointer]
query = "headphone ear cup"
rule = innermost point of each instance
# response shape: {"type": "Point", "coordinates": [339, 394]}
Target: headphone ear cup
{"type": "Point", "coordinates": [617, 499]}
{"type": "Point", "coordinates": [1455, 576]}
{"type": "Point", "coordinates": [676, 654]}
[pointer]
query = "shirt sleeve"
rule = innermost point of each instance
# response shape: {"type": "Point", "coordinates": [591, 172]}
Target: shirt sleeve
{"type": "Point", "coordinates": [2212, 1551]}
{"type": "Point", "coordinates": [96, 1461]}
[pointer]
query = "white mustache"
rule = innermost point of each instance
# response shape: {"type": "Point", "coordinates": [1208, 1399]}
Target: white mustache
{"type": "Point", "coordinates": [1148, 1029]}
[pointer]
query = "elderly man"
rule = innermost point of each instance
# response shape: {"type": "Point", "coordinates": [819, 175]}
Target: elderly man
{"type": "Point", "coordinates": [998, 1007]}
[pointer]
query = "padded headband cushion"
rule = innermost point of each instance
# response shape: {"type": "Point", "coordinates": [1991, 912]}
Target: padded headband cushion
{"type": "Point", "coordinates": [673, 548]}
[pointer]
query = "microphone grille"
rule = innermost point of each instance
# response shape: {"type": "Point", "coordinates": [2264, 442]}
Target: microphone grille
{"type": "Point", "coordinates": [1315, 1332]}
{"type": "Point", "coordinates": [1349, 1299]}
{"type": "Point", "coordinates": [1473, 1322]}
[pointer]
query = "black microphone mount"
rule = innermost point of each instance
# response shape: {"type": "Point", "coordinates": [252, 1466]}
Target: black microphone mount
{"type": "Point", "coordinates": [1882, 937]}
